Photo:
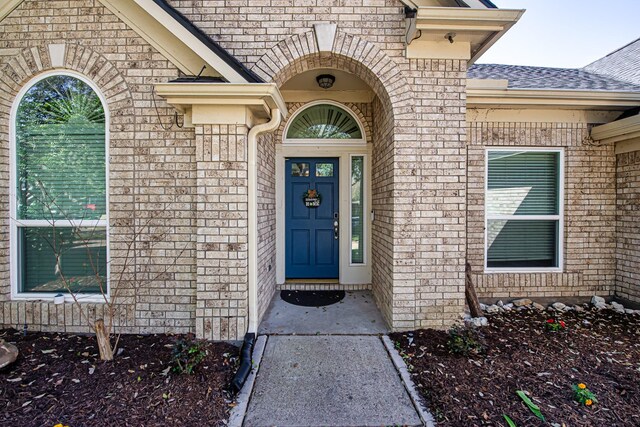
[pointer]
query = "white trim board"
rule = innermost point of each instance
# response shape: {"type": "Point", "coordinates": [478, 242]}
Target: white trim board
{"type": "Point", "coordinates": [171, 39]}
{"type": "Point", "coordinates": [559, 217]}
{"type": "Point", "coordinates": [348, 273]}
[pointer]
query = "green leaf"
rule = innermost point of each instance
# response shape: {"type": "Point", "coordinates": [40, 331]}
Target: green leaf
{"type": "Point", "coordinates": [532, 406]}
{"type": "Point", "coordinates": [509, 421]}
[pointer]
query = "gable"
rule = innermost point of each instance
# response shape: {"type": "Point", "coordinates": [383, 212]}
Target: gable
{"type": "Point", "coordinates": [174, 36]}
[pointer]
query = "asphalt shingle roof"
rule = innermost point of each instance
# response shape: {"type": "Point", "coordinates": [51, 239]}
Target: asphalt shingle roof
{"type": "Point", "coordinates": [622, 64]}
{"type": "Point", "coordinates": [525, 77]}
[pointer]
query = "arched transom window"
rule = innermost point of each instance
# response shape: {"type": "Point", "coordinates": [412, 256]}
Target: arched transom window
{"type": "Point", "coordinates": [325, 121]}
{"type": "Point", "coordinates": [60, 207]}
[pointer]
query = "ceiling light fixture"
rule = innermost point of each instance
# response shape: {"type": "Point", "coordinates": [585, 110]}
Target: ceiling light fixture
{"type": "Point", "coordinates": [450, 37]}
{"type": "Point", "coordinates": [325, 81]}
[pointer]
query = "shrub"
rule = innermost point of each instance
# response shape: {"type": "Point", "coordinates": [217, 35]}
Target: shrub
{"type": "Point", "coordinates": [583, 395]}
{"type": "Point", "coordinates": [187, 354]}
{"type": "Point", "coordinates": [555, 325]}
{"type": "Point", "coordinates": [466, 341]}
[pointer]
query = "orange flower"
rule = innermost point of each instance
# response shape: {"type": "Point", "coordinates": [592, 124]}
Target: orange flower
{"type": "Point", "coordinates": [588, 402]}
{"type": "Point", "coordinates": [581, 386]}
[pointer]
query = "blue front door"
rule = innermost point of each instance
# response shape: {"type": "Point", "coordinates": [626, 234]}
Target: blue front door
{"type": "Point", "coordinates": [311, 236]}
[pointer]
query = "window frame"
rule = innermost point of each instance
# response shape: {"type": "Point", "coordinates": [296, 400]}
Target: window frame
{"type": "Point", "coordinates": [14, 223]}
{"type": "Point", "coordinates": [559, 217]}
{"type": "Point", "coordinates": [365, 216]}
{"type": "Point", "coordinates": [328, 141]}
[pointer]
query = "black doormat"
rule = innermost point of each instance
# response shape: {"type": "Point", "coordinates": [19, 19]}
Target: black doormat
{"type": "Point", "coordinates": [312, 298]}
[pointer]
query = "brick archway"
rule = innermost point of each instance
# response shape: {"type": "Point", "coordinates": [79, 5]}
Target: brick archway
{"type": "Point", "coordinates": [30, 62]}
{"type": "Point", "coordinates": [349, 53]}
{"type": "Point", "coordinates": [393, 131]}
{"type": "Point", "coordinates": [16, 72]}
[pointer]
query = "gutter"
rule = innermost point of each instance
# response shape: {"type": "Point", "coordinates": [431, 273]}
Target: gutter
{"type": "Point", "coordinates": [620, 130]}
{"type": "Point", "coordinates": [252, 142]}
{"type": "Point", "coordinates": [479, 97]}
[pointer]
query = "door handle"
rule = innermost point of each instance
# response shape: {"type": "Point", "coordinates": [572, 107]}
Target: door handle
{"type": "Point", "coordinates": [336, 226]}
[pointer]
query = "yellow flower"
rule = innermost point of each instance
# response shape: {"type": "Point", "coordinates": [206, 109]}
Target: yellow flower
{"type": "Point", "coordinates": [581, 386]}
{"type": "Point", "coordinates": [58, 425]}
{"type": "Point", "coordinates": [588, 402]}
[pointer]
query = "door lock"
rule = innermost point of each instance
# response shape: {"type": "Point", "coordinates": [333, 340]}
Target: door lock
{"type": "Point", "coordinates": [336, 226]}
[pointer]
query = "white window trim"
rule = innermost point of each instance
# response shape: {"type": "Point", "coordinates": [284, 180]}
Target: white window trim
{"type": "Point", "coordinates": [16, 295]}
{"type": "Point", "coordinates": [324, 142]}
{"type": "Point", "coordinates": [559, 217]}
{"type": "Point", "coordinates": [365, 203]}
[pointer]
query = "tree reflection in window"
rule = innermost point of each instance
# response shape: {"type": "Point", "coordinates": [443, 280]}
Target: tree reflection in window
{"type": "Point", "coordinates": [324, 121]}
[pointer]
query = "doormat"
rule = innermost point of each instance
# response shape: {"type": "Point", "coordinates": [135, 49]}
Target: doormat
{"type": "Point", "coordinates": [312, 298]}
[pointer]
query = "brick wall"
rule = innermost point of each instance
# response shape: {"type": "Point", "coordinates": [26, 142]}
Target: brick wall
{"type": "Point", "coordinates": [628, 226]}
{"type": "Point", "coordinates": [590, 209]}
{"type": "Point", "coordinates": [247, 29]}
{"type": "Point", "coordinates": [428, 169]}
{"type": "Point", "coordinates": [382, 204]}
{"type": "Point", "coordinates": [222, 221]}
{"type": "Point", "coordinates": [152, 170]}
{"type": "Point", "coordinates": [266, 164]}
{"type": "Point", "coordinates": [431, 176]}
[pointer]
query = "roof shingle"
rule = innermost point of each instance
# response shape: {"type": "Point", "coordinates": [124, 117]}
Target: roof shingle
{"type": "Point", "coordinates": [526, 77]}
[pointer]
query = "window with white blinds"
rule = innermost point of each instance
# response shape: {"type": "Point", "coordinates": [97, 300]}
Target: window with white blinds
{"type": "Point", "coordinates": [523, 209]}
{"type": "Point", "coordinates": [60, 213]}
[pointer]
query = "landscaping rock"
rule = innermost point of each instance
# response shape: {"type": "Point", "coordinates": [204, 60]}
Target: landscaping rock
{"type": "Point", "coordinates": [558, 306]}
{"type": "Point", "coordinates": [629, 311]}
{"type": "Point", "coordinates": [539, 307]}
{"type": "Point", "coordinates": [477, 321]}
{"type": "Point", "coordinates": [600, 305]}
{"type": "Point", "coordinates": [522, 302]}
{"type": "Point", "coordinates": [508, 307]}
{"type": "Point", "coordinates": [483, 307]}
{"type": "Point", "coordinates": [493, 309]}
{"type": "Point", "coordinates": [595, 300]}
{"type": "Point", "coordinates": [578, 308]}
{"type": "Point", "coordinates": [618, 307]}
{"type": "Point", "coordinates": [8, 353]}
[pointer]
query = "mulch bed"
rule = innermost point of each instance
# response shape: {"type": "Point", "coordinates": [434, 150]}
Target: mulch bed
{"type": "Point", "coordinates": [59, 378]}
{"type": "Point", "coordinates": [522, 355]}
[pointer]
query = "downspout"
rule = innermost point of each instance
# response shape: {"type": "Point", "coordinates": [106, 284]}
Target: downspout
{"type": "Point", "coordinates": [252, 143]}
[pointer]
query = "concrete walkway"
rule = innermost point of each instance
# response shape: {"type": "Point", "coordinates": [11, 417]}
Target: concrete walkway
{"type": "Point", "coordinates": [356, 314]}
{"type": "Point", "coordinates": [328, 381]}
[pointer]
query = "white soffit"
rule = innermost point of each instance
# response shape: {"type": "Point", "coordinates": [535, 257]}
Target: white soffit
{"type": "Point", "coordinates": [478, 27]}
{"type": "Point", "coordinates": [172, 39]}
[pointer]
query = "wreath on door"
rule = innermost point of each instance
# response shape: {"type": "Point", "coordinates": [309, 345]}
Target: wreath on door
{"type": "Point", "coordinates": [311, 198]}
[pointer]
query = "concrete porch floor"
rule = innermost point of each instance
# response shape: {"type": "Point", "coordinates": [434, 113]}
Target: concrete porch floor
{"type": "Point", "coordinates": [356, 314]}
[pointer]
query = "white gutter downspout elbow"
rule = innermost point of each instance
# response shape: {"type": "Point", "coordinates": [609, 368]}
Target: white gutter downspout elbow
{"type": "Point", "coordinates": [252, 175]}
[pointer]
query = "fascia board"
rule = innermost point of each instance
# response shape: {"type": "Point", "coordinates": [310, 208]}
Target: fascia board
{"type": "Point", "coordinates": [492, 39]}
{"type": "Point", "coordinates": [8, 6]}
{"type": "Point", "coordinates": [488, 17]}
{"type": "Point", "coordinates": [618, 130]}
{"type": "Point", "coordinates": [191, 41]}
{"type": "Point", "coordinates": [551, 98]}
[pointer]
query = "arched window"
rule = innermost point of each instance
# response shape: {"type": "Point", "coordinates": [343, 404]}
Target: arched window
{"type": "Point", "coordinates": [59, 210]}
{"type": "Point", "coordinates": [326, 121]}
